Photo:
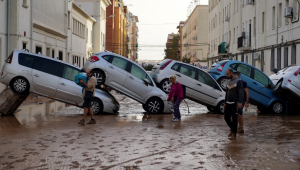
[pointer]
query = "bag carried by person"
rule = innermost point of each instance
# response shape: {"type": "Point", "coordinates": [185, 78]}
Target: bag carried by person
{"type": "Point", "coordinates": [80, 76]}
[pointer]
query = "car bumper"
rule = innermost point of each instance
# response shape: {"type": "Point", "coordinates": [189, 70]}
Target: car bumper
{"type": "Point", "coordinates": [6, 77]}
{"type": "Point", "coordinates": [158, 77]}
{"type": "Point", "coordinates": [110, 108]}
{"type": "Point", "coordinates": [88, 65]}
{"type": "Point", "coordinates": [290, 87]}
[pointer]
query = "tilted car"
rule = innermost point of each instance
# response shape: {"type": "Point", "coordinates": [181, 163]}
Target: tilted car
{"type": "Point", "coordinates": [259, 84]}
{"type": "Point", "coordinates": [25, 72]}
{"type": "Point", "coordinates": [129, 78]}
{"type": "Point", "coordinates": [200, 86]}
{"type": "Point", "coordinates": [287, 82]}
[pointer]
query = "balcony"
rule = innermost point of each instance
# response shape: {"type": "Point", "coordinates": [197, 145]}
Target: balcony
{"type": "Point", "coordinates": [241, 46]}
{"type": "Point", "coordinates": [222, 49]}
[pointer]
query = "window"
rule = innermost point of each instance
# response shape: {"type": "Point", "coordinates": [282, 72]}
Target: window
{"type": "Point", "coordinates": [175, 67]}
{"type": "Point", "coordinates": [254, 26]}
{"type": "Point", "coordinates": [69, 73]}
{"type": "Point", "coordinates": [107, 57]}
{"type": "Point", "coordinates": [24, 45]}
{"type": "Point", "coordinates": [38, 49]}
{"type": "Point", "coordinates": [279, 58]}
{"type": "Point", "coordinates": [261, 78]}
{"type": "Point", "coordinates": [286, 56]}
{"type": "Point", "coordinates": [233, 66]}
{"type": "Point", "coordinates": [286, 5]}
{"type": "Point", "coordinates": [188, 71]}
{"type": "Point", "coordinates": [273, 17]}
{"type": "Point", "coordinates": [206, 79]}
{"type": "Point", "coordinates": [293, 57]}
{"type": "Point", "coordinates": [237, 5]}
{"type": "Point", "coordinates": [263, 23]}
{"type": "Point", "coordinates": [50, 67]}
{"type": "Point", "coordinates": [295, 9]}
{"type": "Point", "coordinates": [233, 35]}
{"type": "Point", "coordinates": [69, 20]}
{"type": "Point", "coordinates": [53, 54]}
{"type": "Point", "coordinates": [48, 52]}
{"type": "Point", "coordinates": [279, 14]}
{"type": "Point", "coordinates": [244, 69]}
{"type": "Point", "coordinates": [60, 55]}
{"type": "Point", "coordinates": [78, 28]}
{"type": "Point", "coordinates": [121, 63]}
{"type": "Point", "coordinates": [26, 60]}
{"type": "Point", "coordinates": [139, 73]}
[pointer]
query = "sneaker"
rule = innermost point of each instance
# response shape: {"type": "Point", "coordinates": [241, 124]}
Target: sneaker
{"type": "Point", "coordinates": [92, 121]}
{"type": "Point", "coordinates": [230, 133]}
{"type": "Point", "coordinates": [179, 119]}
{"type": "Point", "coordinates": [82, 121]}
{"type": "Point", "coordinates": [175, 120]}
{"type": "Point", "coordinates": [240, 130]}
{"type": "Point", "coordinates": [232, 137]}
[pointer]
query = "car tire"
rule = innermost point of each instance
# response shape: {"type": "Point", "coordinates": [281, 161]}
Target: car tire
{"type": "Point", "coordinates": [100, 77]}
{"type": "Point", "coordinates": [165, 86]}
{"type": "Point", "coordinates": [210, 109]}
{"type": "Point", "coordinates": [278, 107]}
{"type": "Point", "coordinates": [223, 82]}
{"type": "Point", "coordinates": [20, 85]}
{"type": "Point", "coordinates": [278, 88]}
{"type": "Point", "coordinates": [220, 107]}
{"type": "Point", "coordinates": [145, 107]}
{"type": "Point", "coordinates": [97, 106]}
{"type": "Point", "coordinates": [154, 106]}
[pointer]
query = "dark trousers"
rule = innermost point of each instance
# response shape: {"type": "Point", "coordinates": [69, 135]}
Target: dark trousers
{"type": "Point", "coordinates": [230, 116]}
{"type": "Point", "coordinates": [176, 109]}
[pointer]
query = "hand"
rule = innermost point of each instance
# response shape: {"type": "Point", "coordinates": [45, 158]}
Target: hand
{"type": "Point", "coordinates": [240, 105]}
{"type": "Point", "coordinates": [181, 100]}
{"type": "Point", "coordinates": [224, 106]}
{"type": "Point", "coordinates": [81, 81]}
{"type": "Point", "coordinates": [247, 105]}
{"type": "Point", "coordinates": [172, 100]}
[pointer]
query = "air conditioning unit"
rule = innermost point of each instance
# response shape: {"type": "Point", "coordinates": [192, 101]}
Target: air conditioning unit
{"type": "Point", "coordinates": [256, 56]}
{"type": "Point", "coordinates": [227, 45]}
{"type": "Point", "coordinates": [250, 2]}
{"type": "Point", "coordinates": [243, 34]}
{"type": "Point", "coordinates": [288, 12]}
{"type": "Point", "coordinates": [227, 18]}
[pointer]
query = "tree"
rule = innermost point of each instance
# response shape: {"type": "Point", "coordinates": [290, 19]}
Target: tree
{"type": "Point", "coordinates": [148, 67]}
{"type": "Point", "coordinates": [172, 51]}
{"type": "Point", "coordinates": [186, 60]}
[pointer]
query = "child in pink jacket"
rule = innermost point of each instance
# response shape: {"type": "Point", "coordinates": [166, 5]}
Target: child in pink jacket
{"type": "Point", "coordinates": [176, 97]}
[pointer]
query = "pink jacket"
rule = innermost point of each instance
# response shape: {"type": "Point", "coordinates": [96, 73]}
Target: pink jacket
{"type": "Point", "coordinates": [176, 90]}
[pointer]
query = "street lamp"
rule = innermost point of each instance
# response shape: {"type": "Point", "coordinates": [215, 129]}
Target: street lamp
{"type": "Point", "coordinates": [108, 17]}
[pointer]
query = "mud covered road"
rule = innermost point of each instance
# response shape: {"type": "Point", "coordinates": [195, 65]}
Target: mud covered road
{"type": "Point", "coordinates": [136, 140]}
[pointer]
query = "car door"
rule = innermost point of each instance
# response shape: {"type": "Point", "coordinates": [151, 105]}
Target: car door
{"type": "Point", "coordinates": [116, 72]}
{"type": "Point", "coordinates": [67, 89]}
{"type": "Point", "coordinates": [45, 76]}
{"type": "Point", "coordinates": [261, 88]}
{"type": "Point", "coordinates": [207, 89]}
{"type": "Point", "coordinates": [134, 84]}
{"type": "Point", "coordinates": [186, 76]}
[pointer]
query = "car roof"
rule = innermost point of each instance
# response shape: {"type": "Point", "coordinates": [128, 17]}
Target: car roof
{"type": "Point", "coordinates": [39, 55]}
{"type": "Point", "coordinates": [188, 65]}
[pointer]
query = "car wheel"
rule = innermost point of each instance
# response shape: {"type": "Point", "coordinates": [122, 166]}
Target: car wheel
{"type": "Point", "coordinates": [278, 88]}
{"type": "Point", "coordinates": [209, 108]}
{"type": "Point", "coordinates": [145, 107]}
{"type": "Point", "coordinates": [223, 82]}
{"type": "Point", "coordinates": [154, 105]}
{"type": "Point", "coordinates": [20, 85]}
{"type": "Point", "coordinates": [278, 107]}
{"type": "Point", "coordinates": [220, 107]}
{"type": "Point", "coordinates": [99, 76]}
{"type": "Point", "coordinates": [97, 106]}
{"type": "Point", "coordinates": [165, 85]}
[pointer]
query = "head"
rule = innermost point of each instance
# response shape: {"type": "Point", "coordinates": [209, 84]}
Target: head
{"type": "Point", "coordinates": [229, 73]}
{"type": "Point", "coordinates": [238, 74]}
{"type": "Point", "coordinates": [89, 72]}
{"type": "Point", "coordinates": [173, 79]}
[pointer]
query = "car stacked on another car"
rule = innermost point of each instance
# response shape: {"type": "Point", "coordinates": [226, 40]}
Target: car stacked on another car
{"type": "Point", "coordinates": [128, 78]}
{"type": "Point", "coordinates": [260, 86]}
{"type": "Point", "coordinates": [26, 72]}
{"type": "Point", "coordinates": [200, 86]}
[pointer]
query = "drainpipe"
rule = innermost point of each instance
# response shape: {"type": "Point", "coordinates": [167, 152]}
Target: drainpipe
{"type": "Point", "coordinates": [67, 27]}
{"type": "Point", "coordinates": [8, 27]}
{"type": "Point", "coordinates": [277, 26]}
{"type": "Point", "coordinates": [31, 27]}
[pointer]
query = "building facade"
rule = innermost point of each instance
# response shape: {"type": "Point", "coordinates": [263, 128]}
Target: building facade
{"type": "Point", "coordinates": [196, 35]}
{"type": "Point", "coordinates": [133, 35]}
{"type": "Point", "coordinates": [261, 33]}
{"type": "Point", "coordinates": [180, 29]}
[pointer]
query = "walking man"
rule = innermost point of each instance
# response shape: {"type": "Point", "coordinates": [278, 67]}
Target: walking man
{"type": "Point", "coordinates": [88, 95]}
{"type": "Point", "coordinates": [233, 102]}
{"type": "Point", "coordinates": [245, 103]}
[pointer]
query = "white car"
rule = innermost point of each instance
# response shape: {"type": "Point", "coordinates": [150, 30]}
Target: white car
{"type": "Point", "coordinates": [127, 77]}
{"type": "Point", "coordinates": [287, 80]}
{"type": "Point", "coordinates": [201, 87]}
{"type": "Point", "coordinates": [26, 72]}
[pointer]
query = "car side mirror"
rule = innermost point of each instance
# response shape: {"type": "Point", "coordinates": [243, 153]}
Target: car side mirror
{"type": "Point", "coordinates": [275, 70]}
{"type": "Point", "coordinates": [146, 81]}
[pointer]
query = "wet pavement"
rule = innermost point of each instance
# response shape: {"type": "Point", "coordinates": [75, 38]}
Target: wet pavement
{"type": "Point", "coordinates": [136, 140]}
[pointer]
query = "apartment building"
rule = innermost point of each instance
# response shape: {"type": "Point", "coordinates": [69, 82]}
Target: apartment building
{"type": "Point", "coordinates": [264, 34]}
{"type": "Point", "coordinates": [180, 28]}
{"type": "Point", "coordinates": [196, 35]}
{"type": "Point", "coordinates": [133, 36]}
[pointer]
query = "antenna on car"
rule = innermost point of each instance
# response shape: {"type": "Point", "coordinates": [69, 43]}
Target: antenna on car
{"type": "Point", "coordinates": [39, 53]}
{"type": "Point", "coordinates": [56, 58]}
{"type": "Point", "coordinates": [25, 50]}
{"type": "Point", "coordinates": [75, 65]}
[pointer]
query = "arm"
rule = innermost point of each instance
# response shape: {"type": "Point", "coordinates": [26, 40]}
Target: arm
{"type": "Point", "coordinates": [180, 90]}
{"type": "Point", "coordinates": [170, 94]}
{"type": "Point", "coordinates": [241, 91]}
{"type": "Point", "coordinates": [247, 97]}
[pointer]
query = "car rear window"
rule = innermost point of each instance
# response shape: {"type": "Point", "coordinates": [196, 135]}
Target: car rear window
{"type": "Point", "coordinates": [164, 62]}
{"type": "Point", "coordinates": [26, 60]}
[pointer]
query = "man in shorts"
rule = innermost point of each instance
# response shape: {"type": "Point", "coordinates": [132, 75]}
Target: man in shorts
{"type": "Point", "coordinates": [245, 103]}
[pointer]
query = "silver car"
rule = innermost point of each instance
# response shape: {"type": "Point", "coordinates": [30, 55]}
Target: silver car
{"type": "Point", "coordinates": [200, 86]}
{"type": "Point", "coordinates": [129, 78]}
{"type": "Point", "coordinates": [25, 72]}
{"type": "Point", "coordinates": [287, 79]}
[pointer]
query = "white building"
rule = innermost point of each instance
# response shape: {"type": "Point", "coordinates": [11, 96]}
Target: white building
{"type": "Point", "coordinates": [133, 35]}
{"type": "Point", "coordinates": [255, 32]}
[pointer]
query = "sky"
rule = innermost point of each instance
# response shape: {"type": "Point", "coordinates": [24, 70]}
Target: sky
{"type": "Point", "coordinates": [157, 19]}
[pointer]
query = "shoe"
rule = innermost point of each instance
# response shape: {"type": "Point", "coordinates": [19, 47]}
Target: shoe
{"type": "Point", "coordinates": [230, 133]}
{"type": "Point", "coordinates": [92, 121]}
{"type": "Point", "coordinates": [179, 119]}
{"type": "Point", "coordinates": [232, 137]}
{"type": "Point", "coordinates": [240, 130]}
{"type": "Point", "coordinates": [175, 120]}
{"type": "Point", "coordinates": [82, 121]}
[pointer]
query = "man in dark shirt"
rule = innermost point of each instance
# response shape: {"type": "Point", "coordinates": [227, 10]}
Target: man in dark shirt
{"type": "Point", "coordinates": [233, 102]}
{"type": "Point", "coordinates": [245, 103]}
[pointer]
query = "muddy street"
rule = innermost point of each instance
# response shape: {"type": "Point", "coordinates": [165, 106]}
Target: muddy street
{"type": "Point", "coordinates": [136, 140]}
